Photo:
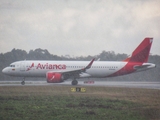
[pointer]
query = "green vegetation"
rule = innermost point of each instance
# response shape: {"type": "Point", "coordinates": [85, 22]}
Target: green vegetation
{"type": "Point", "coordinates": [58, 102]}
{"type": "Point", "coordinates": [64, 107]}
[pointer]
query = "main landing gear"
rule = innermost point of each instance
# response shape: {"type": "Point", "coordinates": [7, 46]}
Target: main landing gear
{"type": "Point", "coordinates": [74, 82]}
{"type": "Point", "coordinates": [23, 81]}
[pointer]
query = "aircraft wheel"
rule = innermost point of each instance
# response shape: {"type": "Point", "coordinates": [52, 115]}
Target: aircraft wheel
{"type": "Point", "coordinates": [74, 82]}
{"type": "Point", "coordinates": [23, 82]}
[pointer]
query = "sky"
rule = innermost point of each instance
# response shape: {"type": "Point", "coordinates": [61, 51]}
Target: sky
{"type": "Point", "coordinates": [79, 27]}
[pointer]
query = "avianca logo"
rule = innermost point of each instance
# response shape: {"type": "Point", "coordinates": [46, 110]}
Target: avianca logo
{"type": "Point", "coordinates": [53, 77]}
{"type": "Point", "coordinates": [51, 66]}
{"type": "Point", "coordinates": [30, 67]}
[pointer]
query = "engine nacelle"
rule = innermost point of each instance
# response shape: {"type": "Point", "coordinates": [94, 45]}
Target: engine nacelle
{"type": "Point", "coordinates": [54, 77]}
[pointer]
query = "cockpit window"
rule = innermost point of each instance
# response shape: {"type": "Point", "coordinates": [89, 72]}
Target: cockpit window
{"type": "Point", "coordinates": [12, 65]}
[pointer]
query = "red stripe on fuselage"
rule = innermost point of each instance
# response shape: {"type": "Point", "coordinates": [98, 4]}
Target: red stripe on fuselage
{"type": "Point", "coordinates": [127, 69]}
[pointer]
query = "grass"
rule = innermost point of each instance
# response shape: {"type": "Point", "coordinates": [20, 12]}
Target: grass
{"type": "Point", "coordinates": [58, 102]}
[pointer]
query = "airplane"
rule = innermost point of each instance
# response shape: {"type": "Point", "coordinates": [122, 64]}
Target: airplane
{"type": "Point", "coordinates": [59, 71]}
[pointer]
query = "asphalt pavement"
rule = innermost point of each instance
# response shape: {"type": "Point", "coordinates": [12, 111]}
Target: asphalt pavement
{"type": "Point", "coordinates": [148, 85]}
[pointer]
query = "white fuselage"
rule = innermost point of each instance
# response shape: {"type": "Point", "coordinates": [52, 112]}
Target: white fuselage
{"type": "Point", "coordinates": [40, 68]}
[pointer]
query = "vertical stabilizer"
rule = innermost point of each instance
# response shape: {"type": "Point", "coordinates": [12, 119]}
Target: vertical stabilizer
{"type": "Point", "coordinates": [141, 53]}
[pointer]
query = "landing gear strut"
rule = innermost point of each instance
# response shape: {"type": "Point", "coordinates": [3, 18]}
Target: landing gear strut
{"type": "Point", "coordinates": [23, 81]}
{"type": "Point", "coordinates": [74, 82]}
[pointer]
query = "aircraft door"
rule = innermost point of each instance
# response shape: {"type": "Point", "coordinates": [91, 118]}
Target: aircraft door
{"type": "Point", "coordinates": [22, 68]}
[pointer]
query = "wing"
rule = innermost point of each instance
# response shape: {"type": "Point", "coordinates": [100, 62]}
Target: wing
{"type": "Point", "coordinates": [75, 73]}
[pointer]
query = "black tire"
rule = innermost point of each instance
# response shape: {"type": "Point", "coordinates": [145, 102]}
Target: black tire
{"type": "Point", "coordinates": [74, 82]}
{"type": "Point", "coordinates": [23, 82]}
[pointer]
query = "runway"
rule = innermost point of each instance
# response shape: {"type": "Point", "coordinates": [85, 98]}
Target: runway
{"type": "Point", "coordinates": [147, 85]}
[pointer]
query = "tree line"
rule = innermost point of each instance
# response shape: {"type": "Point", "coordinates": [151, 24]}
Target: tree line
{"type": "Point", "coordinates": [43, 54]}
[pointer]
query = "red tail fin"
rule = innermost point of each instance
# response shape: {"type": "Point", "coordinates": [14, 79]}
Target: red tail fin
{"type": "Point", "coordinates": [141, 53]}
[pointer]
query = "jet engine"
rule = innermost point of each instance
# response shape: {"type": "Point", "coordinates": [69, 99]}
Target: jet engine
{"type": "Point", "coordinates": [54, 77]}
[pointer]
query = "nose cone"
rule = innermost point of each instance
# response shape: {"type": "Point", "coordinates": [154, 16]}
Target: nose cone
{"type": "Point", "coordinates": [5, 71]}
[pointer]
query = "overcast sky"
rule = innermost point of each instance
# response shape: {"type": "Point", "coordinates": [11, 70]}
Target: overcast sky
{"type": "Point", "coordinates": [79, 27]}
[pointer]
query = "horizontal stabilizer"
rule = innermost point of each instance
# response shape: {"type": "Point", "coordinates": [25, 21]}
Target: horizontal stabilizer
{"type": "Point", "coordinates": [144, 66]}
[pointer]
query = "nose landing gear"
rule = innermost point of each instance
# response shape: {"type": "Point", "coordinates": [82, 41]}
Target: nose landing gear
{"type": "Point", "coordinates": [23, 81]}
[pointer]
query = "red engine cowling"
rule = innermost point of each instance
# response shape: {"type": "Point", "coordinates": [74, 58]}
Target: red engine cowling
{"type": "Point", "coordinates": [54, 77]}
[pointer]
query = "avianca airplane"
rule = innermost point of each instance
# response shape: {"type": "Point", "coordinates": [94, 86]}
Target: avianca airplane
{"type": "Point", "coordinates": [58, 71]}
